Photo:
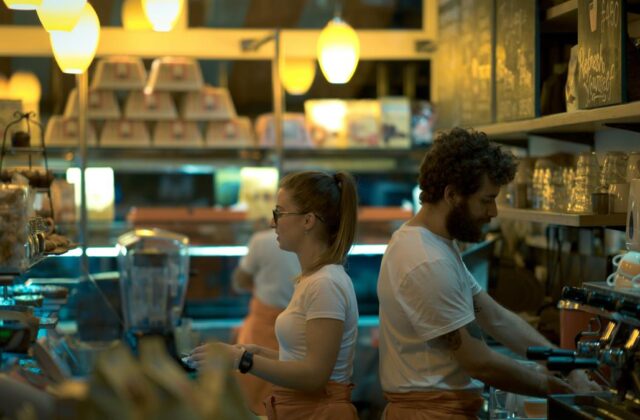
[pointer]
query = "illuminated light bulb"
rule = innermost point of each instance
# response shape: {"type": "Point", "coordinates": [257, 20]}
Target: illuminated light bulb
{"type": "Point", "coordinates": [133, 16]}
{"type": "Point", "coordinates": [163, 14]}
{"type": "Point", "coordinates": [22, 4]}
{"type": "Point", "coordinates": [338, 51]}
{"type": "Point", "coordinates": [74, 50]}
{"type": "Point", "coordinates": [297, 74]}
{"type": "Point", "coordinates": [60, 15]}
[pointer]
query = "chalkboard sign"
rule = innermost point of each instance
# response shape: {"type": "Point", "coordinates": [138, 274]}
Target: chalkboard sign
{"type": "Point", "coordinates": [476, 61]}
{"type": "Point", "coordinates": [601, 54]}
{"type": "Point", "coordinates": [464, 72]}
{"type": "Point", "coordinates": [448, 65]}
{"type": "Point", "coordinates": [517, 60]}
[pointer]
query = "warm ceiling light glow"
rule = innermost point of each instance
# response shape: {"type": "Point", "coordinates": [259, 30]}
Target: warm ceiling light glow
{"type": "Point", "coordinates": [22, 4]}
{"type": "Point", "coordinates": [163, 14]}
{"type": "Point", "coordinates": [60, 15]}
{"type": "Point", "coordinates": [25, 86]}
{"type": "Point", "coordinates": [338, 51]}
{"type": "Point", "coordinates": [297, 74]}
{"type": "Point", "coordinates": [74, 50]}
{"type": "Point", "coordinates": [133, 17]}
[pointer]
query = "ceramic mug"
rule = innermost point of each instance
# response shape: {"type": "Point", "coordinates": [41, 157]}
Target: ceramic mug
{"type": "Point", "coordinates": [621, 281]}
{"type": "Point", "coordinates": [616, 260]}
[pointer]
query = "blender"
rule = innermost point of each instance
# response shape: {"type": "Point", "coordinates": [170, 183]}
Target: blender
{"type": "Point", "coordinates": [154, 274]}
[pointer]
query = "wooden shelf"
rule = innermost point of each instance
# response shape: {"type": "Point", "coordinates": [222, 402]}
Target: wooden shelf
{"type": "Point", "coordinates": [564, 219]}
{"type": "Point", "coordinates": [586, 121]}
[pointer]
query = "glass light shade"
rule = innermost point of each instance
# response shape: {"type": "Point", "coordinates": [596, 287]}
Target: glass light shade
{"type": "Point", "coordinates": [25, 86]}
{"type": "Point", "coordinates": [60, 15]}
{"type": "Point", "coordinates": [74, 50]}
{"type": "Point", "coordinates": [163, 14]}
{"type": "Point", "coordinates": [133, 17]}
{"type": "Point", "coordinates": [338, 51]}
{"type": "Point", "coordinates": [22, 4]}
{"type": "Point", "coordinates": [297, 74]}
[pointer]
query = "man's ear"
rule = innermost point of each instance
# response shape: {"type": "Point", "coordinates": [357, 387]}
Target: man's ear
{"type": "Point", "coordinates": [451, 196]}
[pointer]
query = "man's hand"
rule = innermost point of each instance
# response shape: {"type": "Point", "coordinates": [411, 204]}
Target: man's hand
{"type": "Point", "coordinates": [580, 381]}
{"type": "Point", "coordinates": [558, 386]}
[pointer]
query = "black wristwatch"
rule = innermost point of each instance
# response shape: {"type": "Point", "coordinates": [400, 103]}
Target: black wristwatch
{"type": "Point", "coordinates": [246, 362]}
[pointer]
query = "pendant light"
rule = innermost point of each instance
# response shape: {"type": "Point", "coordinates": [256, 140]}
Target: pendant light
{"type": "Point", "coordinates": [297, 74]}
{"type": "Point", "coordinates": [60, 15]}
{"type": "Point", "coordinates": [163, 14]}
{"type": "Point", "coordinates": [22, 4]}
{"type": "Point", "coordinates": [338, 51]}
{"type": "Point", "coordinates": [74, 50]}
{"type": "Point", "coordinates": [133, 17]}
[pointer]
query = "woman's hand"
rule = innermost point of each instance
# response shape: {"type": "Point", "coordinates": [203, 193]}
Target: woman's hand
{"type": "Point", "coordinates": [200, 354]}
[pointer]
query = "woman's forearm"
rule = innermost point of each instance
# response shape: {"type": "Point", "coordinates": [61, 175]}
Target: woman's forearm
{"type": "Point", "coordinates": [265, 352]}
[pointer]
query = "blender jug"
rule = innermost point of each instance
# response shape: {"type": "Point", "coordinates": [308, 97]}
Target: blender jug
{"type": "Point", "coordinates": [154, 273]}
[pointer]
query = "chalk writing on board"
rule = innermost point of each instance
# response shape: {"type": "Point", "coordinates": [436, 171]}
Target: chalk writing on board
{"type": "Point", "coordinates": [516, 60]}
{"type": "Point", "coordinates": [600, 52]}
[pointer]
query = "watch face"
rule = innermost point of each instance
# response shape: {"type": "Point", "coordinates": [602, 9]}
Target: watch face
{"type": "Point", "coordinates": [246, 362]}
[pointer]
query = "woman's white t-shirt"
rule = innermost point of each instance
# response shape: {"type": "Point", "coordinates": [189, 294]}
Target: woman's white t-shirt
{"type": "Point", "coordinates": [327, 293]}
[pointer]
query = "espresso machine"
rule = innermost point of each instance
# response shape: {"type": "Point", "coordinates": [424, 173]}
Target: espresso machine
{"type": "Point", "coordinates": [611, 351]}
{"type": "Point", "coordinates": [154, 274]}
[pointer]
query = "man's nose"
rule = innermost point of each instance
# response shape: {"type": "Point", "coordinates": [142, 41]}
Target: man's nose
{"type": "Point", "coordinates": [493, 210]}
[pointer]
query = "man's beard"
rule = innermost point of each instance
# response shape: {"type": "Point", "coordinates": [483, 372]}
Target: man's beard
{"type": "Point", "coordinates": [461, 225]}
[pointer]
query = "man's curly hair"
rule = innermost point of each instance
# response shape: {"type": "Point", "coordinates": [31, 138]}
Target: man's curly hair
{"type": "Point", "coordinates": [460, 158]}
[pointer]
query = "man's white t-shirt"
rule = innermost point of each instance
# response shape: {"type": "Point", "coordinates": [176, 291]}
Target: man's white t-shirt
{"type": "Point", "coordinates": [425, 291]}
{"type": "Point", "coordinates": [327, 293]}
{"type": "Point", "coordinates": [273, 269]}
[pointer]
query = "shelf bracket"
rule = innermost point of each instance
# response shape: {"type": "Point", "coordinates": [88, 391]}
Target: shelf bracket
{"type": "Point", "coordinates": [635, 127]}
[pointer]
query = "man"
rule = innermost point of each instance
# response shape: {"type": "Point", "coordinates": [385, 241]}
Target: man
{"type": "Point", "coordinates": [433, 359]}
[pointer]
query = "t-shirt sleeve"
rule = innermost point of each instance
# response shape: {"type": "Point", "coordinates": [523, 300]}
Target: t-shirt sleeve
{"type": "Point", "coordinates": [325, 299]}
{"type": "Point", "coordinates": [434, 300]}
{"type": "Point", "coordinates": [250, 262]}
{"type": "Point", "coordinates": [473, 283]}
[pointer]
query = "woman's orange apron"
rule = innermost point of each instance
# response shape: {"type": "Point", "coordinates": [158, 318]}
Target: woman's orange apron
{"type": "Point", "coordinates": [332, 403]}
{"type": "Point", "coordinates": [437, 405]}
{"type": "Point", "coordinates": [258, 328]}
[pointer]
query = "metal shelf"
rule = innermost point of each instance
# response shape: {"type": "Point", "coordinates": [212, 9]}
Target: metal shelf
{"type": "Point", "coordinates": [564, 219]}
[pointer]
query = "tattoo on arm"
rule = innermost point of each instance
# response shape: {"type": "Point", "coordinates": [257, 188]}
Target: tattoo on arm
{"type": "Point", "coordinates": [452, 341]}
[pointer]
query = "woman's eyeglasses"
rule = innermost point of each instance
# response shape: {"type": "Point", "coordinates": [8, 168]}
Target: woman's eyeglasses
{"type": "Point", "coordinates": [278, 214]}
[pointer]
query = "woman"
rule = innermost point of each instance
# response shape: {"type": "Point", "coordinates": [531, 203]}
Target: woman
{"type": "Point", "coordinates": [315, 217]}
